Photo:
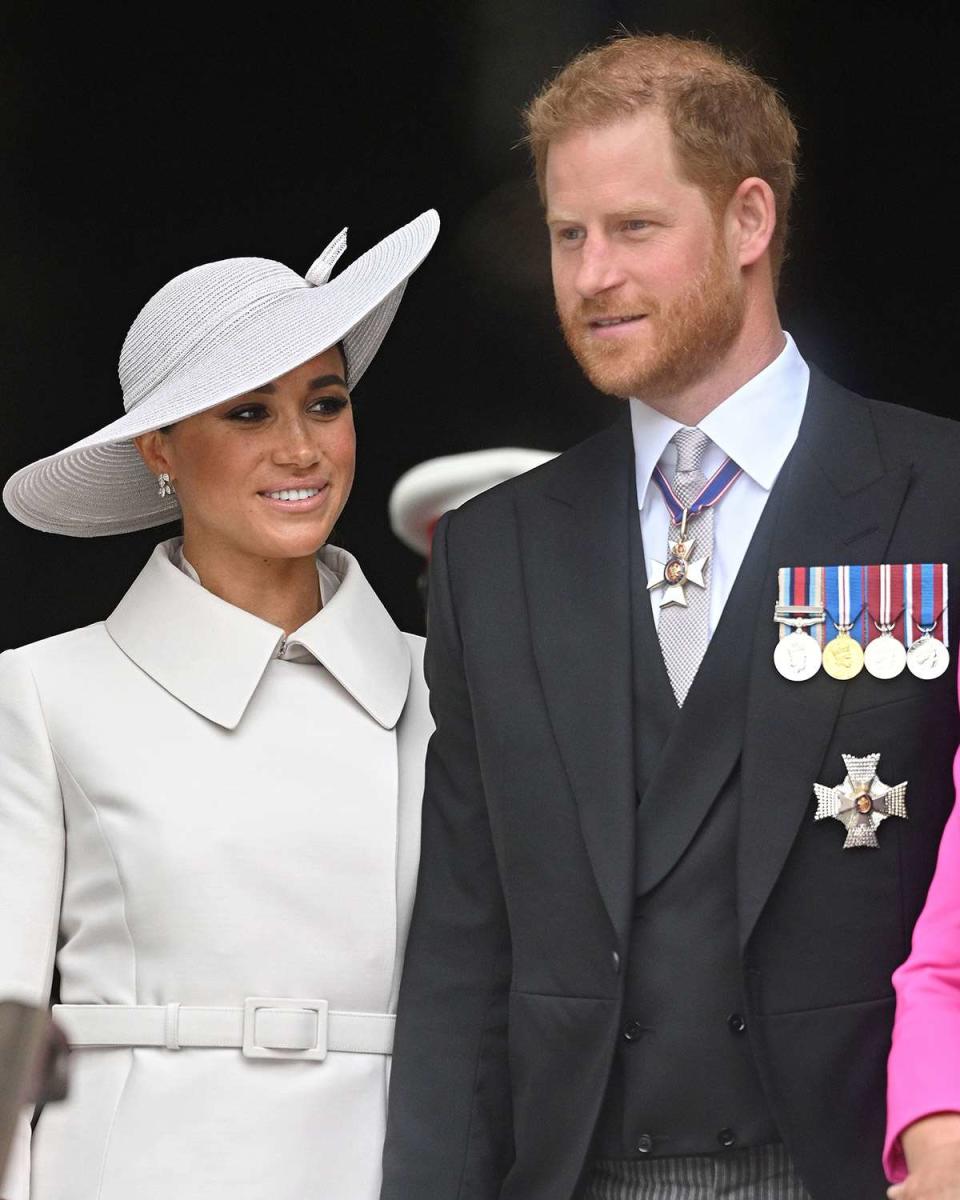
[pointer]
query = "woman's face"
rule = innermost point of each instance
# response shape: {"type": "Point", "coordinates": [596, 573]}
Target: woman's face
{"type": "Point", "coordinates": [268, 473]}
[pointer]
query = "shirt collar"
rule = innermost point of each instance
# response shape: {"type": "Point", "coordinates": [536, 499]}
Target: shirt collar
{"type": "Point", "coordinates": [756, 426]}
{"type": "Point", "coordinates": [212, 655]}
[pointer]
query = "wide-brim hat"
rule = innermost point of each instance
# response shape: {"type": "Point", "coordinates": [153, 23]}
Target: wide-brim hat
{"type": "Point", "coordinates": [208, 335]}
{"type": "Point", "coordinates": [423, 494]}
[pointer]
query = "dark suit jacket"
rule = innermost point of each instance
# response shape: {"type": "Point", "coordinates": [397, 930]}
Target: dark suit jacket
{"type": "Point", "coordinates": [510, 1006]}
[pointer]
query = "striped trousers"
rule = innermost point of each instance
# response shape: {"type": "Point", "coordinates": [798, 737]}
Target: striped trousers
{"type": "Point", "coordinates": [754, 1173]}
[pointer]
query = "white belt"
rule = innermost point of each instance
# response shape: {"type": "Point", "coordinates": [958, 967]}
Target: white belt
{"type": "Point", "coordinates": [265, 1027]}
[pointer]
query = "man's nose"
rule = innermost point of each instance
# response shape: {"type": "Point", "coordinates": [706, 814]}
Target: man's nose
{"type": "Point", "coordinates": [599, 268]}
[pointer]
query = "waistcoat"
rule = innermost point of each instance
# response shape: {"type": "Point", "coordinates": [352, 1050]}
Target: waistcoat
{"type": "Point", "coordinates": [684, 1080]}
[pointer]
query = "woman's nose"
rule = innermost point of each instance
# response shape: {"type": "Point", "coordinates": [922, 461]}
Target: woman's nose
{"type": "Point", "coordinates": [295, 444]}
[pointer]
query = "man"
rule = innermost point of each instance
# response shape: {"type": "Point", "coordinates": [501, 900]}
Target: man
{"type": "Point", "coordinates": [643, 960]}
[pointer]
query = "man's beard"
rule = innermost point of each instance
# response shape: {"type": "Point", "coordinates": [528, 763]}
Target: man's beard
{"type": "Point", "coordinates": [691, 334]}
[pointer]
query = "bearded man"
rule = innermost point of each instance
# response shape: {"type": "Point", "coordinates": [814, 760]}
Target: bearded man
{"type": "Point", "coordinates": [643, 961]}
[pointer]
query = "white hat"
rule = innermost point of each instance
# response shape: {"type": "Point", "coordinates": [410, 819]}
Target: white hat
{"type": "Point", "coordinates": [210, 334]}
{"type": "Point", "coordinates": [423, 494]}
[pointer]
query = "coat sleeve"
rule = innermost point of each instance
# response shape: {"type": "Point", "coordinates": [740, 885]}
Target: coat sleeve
{"type": "Point", "coordinates": [449, 1127]}
{"type": "Point", "coordinates": [31, 862]}
{"type": "Point", "coordinates": [924, 1065]}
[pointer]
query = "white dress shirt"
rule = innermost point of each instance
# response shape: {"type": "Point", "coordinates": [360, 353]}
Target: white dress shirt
{"type": "Point", "coordinates": [756, 427]}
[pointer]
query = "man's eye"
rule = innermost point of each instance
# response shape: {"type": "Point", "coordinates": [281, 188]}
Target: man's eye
{"type": "Point", "coordinates": [636, 226]}
{"type": "Point", "coordinates": [247, 414]}
{"type": "Point", "coordinates": [570, 235]}
{"type": "Point", "coordinates": [329, 406]}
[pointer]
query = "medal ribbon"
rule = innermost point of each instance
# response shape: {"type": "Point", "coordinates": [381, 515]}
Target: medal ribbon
{"type": "Point", "coordinates": [802, 586]}
{"type": "Point", "coordinates": [926, 599]}
{"type": "Point", "coordinates": [909, 594]}
{"type": "Point", "coordinates": [885, 600]}
{"type": "Point", "coordinates": [716, 487]}
{"type": "Point", "coordinates": [844, 597]}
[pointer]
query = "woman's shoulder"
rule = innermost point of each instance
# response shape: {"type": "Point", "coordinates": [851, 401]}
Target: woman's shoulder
{"type": "Point", "coordinates": [65, 651]}
{"type": "Point", "coordinates": [415, 644]}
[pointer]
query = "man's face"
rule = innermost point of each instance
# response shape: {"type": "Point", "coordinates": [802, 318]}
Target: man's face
{"type": "Point", "coordinates": [648, 291]}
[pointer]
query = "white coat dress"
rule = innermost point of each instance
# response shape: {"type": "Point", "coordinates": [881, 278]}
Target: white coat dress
{"type": "Point", "coordinates": [186, 818]}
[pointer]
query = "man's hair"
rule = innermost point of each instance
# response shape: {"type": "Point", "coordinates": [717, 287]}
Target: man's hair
{"type": "Point", "coordinates": [727, 122]}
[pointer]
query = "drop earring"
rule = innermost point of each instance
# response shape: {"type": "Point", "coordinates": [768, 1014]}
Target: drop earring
{"type": "Point", "coordinates": [164, 486]}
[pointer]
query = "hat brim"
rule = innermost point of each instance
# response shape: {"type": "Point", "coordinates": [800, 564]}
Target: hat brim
{"type": "Point", "coordinates": [100, 484]}
{"type": "Point", "coordinates": [423, 494]}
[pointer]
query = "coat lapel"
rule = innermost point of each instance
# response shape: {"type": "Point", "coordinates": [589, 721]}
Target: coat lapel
{"type": "Point", "coordinates": [575, 553]}
{"type": "Point", "coordinates": [706, 739]}
{"type": "Point", "coordinates": [839, 504]}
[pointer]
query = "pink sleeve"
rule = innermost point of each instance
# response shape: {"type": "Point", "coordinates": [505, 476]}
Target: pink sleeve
{"type": "Point", "coordinates": [924, 1066]}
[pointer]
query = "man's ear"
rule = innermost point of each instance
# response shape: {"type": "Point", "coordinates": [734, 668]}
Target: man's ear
{"type": "Point", "coordinates": [753, 211]}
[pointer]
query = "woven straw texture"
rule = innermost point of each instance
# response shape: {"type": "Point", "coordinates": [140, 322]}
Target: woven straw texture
{"type": "Point", "coordinates": [209, 335]}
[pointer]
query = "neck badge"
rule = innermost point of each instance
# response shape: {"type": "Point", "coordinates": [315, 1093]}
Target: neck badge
{"type": "Point", "coordinates": [862, 802]}
{"type": "Point", "coordinates": [679, 570]}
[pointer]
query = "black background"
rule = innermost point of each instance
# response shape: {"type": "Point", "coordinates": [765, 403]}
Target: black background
{"type": "Point", "coordinates": [138, 144]}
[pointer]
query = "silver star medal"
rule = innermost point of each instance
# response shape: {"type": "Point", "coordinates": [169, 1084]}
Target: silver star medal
{"type": "Point", "coordinates": [862, 801]}
{"type": "Point", "coordinates": [677, 572]}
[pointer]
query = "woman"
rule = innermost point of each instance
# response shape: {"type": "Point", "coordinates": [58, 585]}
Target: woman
{"type": "Point", "coordinates": [922, 1153]}
{"type": "Point", "coordinates": [209, 803]}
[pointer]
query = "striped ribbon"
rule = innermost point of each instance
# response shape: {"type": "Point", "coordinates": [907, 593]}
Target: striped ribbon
{"type": "Point", "coordinates": [905, 595]}
{"type": "Point", "coordinates": [716, 487]}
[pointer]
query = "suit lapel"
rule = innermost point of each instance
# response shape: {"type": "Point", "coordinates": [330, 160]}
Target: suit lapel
{"type": "Point", "coordinates": [706, 738]}
{"type": "Point", "coordinates": [839, 504]}
{"type": "Point", "coordinates": [574, 538]}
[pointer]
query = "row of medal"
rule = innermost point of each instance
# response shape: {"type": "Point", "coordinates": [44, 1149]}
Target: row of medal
{"type": "Point", "coordinates": [881, 618]}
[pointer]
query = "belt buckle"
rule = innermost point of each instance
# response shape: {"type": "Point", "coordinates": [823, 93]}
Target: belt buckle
{"type": "Point", "coordinates": [251, 1048]}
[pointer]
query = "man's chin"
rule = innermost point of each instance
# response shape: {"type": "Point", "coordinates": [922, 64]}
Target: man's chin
{"type": "Point", "coordinates": [614, 375]}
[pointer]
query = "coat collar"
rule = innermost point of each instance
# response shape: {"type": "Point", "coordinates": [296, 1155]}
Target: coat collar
{"type": "Point", "coordinates": [212, 655]}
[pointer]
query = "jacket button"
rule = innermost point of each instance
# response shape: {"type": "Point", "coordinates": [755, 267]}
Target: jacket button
{"type": "Point", "coordinates": [727, 1138]}
{"type": "Point", "coordinates": [736, 1022]}
{"type": "Point", "coordinates": [633, 1031]}
{"type": "Point", "coordinates": [615, 961]}
{"type": "Point", "coordinates": [644, 1143]}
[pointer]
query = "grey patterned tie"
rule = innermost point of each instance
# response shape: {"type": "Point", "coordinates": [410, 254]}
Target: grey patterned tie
{"type": "Point", "coordinates": [684, 632]}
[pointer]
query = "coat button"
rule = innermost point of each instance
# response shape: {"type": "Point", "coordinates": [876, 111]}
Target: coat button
{"type": "Point", "coordinates": [615, 961]}
{"type": "Point", "coordinates": [633, 1031]}
{"type": "Point", "coordinates": [727, 1138]}
{"type": "Point", "coordinates": [736, 1022]}
{"type": "Point", "coordinates": [644, 1143]}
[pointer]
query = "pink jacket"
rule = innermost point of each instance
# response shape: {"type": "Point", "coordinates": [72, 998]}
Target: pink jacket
{"type": "Point", "coordinates": [924, 1066]}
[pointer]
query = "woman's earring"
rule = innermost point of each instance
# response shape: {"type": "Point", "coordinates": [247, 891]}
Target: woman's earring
{"type": "Point", "coordinates": [164, 486]}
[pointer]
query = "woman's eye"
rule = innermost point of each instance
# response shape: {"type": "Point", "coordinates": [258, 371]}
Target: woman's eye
{"type": "Point", "coordinates": [329, 406]}
{"type": "Point", "coordinates": [247, 413]}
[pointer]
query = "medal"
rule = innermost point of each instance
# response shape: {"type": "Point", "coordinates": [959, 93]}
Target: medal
{"type": "Point", "coordinates": [679, 570]}
{"type": "Point", "coordinates": [885, 656]}
{"type": "Point", "coordinates": [928, 656]}
{"type": "Point", "coordinates": [797, 655]}
{"type": "Point", "coordinates": [862, 802]}
{"type": "Point", "coordinates": [843, 656]}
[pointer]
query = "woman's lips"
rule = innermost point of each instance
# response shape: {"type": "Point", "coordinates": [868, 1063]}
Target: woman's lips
{"type": "Point", "coordinates": [294, 500]}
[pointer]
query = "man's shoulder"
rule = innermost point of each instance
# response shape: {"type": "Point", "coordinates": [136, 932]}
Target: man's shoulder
{"type": "Point", "coordinates": [593, 454]}
{"type": "Point", "coordinates": [900, 427]}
